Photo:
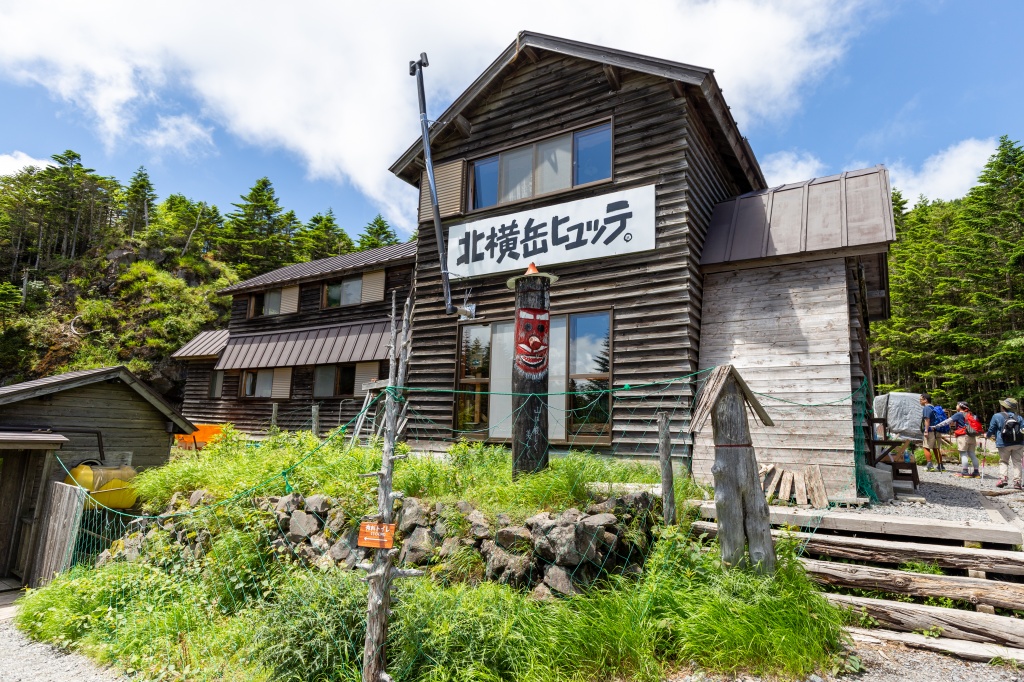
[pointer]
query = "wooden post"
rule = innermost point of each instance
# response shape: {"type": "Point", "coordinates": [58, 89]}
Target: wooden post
{"type": "Point", "coordinates": [740, 503]}
{"type": "Point", "coordinates": [530, 371]}
{"type": "Point", "coordinates": [316, 420]}
{"type": "Point", "coordinates": [668, 492]}
{"type": "Point", "coordinates": [273, 415]}
{"type": "Point", "coordinates": [380, 572]}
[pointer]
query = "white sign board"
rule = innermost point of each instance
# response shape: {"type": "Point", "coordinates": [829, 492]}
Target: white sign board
{"type": "Point", "coordinates": [604, 226]}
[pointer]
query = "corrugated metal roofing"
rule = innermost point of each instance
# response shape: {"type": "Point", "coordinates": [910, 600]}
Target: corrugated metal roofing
{"type": "Point", "coordinates": [313, 346]}
{"type": "Point", "coordinates": [31, 439]}
{"type": "Point", "coordinates": [847, 211]}
{"type": "Point", "coordinates": [62, 382]}
{"type": "Point", "coordinates": [207, 344]}
{"type": "Point", "coordinates": [326, 266]}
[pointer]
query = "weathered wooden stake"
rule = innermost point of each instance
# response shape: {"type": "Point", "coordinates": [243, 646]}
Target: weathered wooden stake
{"type": "Point", "coordinates": [381, 572]}
{"type": "Point", "coordinates": [273, 415]}
{"type": "Point", "coordinates": [743, 520]}
{"type": "Point", "coordinates": [316, 420]}
{"type": "Point", "coordinates": [530, 371]}
{"type": "Point", "coordinates": [668, 492]}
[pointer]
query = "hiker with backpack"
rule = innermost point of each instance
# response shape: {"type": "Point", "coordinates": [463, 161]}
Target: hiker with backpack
{"type": "Point", "coordinates": [966, 427]}
{"type": "Point", "coordinates": [1006, 427]}
{"type": "Point", "coordinates": [931, 415]}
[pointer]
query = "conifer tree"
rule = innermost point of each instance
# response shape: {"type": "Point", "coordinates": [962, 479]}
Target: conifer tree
{"type": "Point", "coordinates": [322, 237]}
{"type": "Point", "coordinates": [256, 237]}
{"type": "Point", "coordinates": [140, 198]}
{"type": "Point", "coordinates": [377, 233]}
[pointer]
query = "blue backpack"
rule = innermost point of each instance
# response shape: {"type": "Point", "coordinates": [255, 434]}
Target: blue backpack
{"type": "Point", "coordinates": [940, 416]}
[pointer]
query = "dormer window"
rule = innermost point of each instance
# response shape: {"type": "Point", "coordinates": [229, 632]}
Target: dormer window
{"type": "Point", "coordinates": [550, 165]}
{"type": "Point", "coordinates": [265, 303]}
{"type": "Point", "coordinates": [348, 291]}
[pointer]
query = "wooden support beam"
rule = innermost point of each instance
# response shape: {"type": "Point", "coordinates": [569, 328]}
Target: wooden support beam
{"type": "Point", "coordinates": [969, 651]}
{"type": "Point", "coordinates": [614, 77]}
{"type": "Point", "coordinates": [531, 54]}
{"type": "Point", "coordinates": [954, 623]}
{"type": "Point", "coordinates": [462, 125]}
{"type": "Point", "coordinates": [895, 552]}
{"type": "Point", "coordinates": [678, 91]}
{"type": "Point", "coordinates": [886, 525]}
{"type": "Point", "coordinates": [974, 590]}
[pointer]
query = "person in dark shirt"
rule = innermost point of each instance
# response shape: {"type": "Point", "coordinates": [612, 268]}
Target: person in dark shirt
{"type": "Point", "coordinates": [931, 439]}
{"type": "Point", "coordinates": [1010, 454]}
{"type": "Point", "coordinates": [966, 443]}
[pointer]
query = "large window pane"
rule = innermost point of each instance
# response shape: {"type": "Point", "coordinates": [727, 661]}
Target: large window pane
{"type": "Point", "coordinates": [593, 154]}
{"type": "Point", "coordinates": [272, 302]}
{"type": "Point", "coordinates": [475, 362]}
{"type": "Point", "coordinates": [264, 383]}
{"type": "Point", "coordinates": [517, 174]}
{"type": "Point", "coordinates": [590, 414]}
{"type": "Point", "coordinates": [216, 383]}
{"type": "Point", "coordinates": [323, 381]}
{"type": "Point", "coordinates": [557, 415]}
{"type": "Point", "coordinates": [347, 379]}
{"type": "Point", "coordinates": [485, 182]}
{"type": "Point", "coordinates": [349, 291]}
{"type": "Point", "coordinates": [502, 348]}
{"type": "Point", "coordinates": [554, 164]}
{"type": "Point", "coordinates": [472, 418]}
{"type": "Point", "coordinates": [588, 343]}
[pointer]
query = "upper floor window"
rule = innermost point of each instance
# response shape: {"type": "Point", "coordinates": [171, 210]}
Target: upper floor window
{"type": "Point", "coordinates": [348, 291]}
{"type": "Point", "coordinates": [265, 303]}
{"type": "Point", "coordinates": [550, 165]}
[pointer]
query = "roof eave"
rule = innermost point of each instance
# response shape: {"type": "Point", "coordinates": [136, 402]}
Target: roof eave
{"type": "Point", "coordinates": [239, 289]}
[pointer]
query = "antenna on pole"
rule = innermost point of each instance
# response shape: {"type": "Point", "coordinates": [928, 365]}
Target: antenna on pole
{"type": "Point", "coordinates": [416, 69]}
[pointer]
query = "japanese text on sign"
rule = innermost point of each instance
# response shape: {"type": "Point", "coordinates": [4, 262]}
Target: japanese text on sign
{"type": "Point", "coordinates": [596, 227]}
{"type": "Point", "coordinates": [379, 535]}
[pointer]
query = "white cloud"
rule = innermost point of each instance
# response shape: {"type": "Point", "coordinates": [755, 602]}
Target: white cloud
{"type": "Point", "coordinates": [329, 81]}
{"type": "Point", "coordinates": [946, 175]}
{"type": "Point", "coordinates": [781, 168]}
{"type": "Point", "coordinates": [180, 133]}
{"type": "Point", "coordinates": [15, 161]}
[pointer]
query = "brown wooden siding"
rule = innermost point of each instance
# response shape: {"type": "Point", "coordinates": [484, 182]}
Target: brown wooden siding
{"type": "Point", "coordinates": [252, 415]}
{"type": "Point", "coordinates": [127, 421]}
{"type": "Point", "coordinates": [310, 313]}
{"type": "Point", "coordinates": [655, 295]}
{"type": "Point", "coordinates": [787, 330]}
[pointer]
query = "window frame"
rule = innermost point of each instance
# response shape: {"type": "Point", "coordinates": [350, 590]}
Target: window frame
{"type": "Point", "coordinates": [341, 280]}
{"type": "Point", "coordinates": [215, 389]}
{"type": "Point", "coordinates": [570, 439]}
{"type": "Point", "coordinates": [252, 303]}
{"type": "Point", "coordinates": [470, 178]}
{"type": "Point", "coordinates": [337, 381]}
{"type": "Point", "coordinates": [256, 371]}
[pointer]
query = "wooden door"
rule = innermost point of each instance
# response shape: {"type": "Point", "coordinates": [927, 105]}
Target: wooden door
{"type": "Point", "coordinates": [14, 490]}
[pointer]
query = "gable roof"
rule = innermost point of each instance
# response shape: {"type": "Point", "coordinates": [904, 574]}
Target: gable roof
{"type": "Point", "coordinates": [839, 214]}
{"type": "Point", "coordinates": [697, 80]}
{"type": "Point", "coordinates": [324, 267]}
{"type": "Point", "coordinates": [62, 382]}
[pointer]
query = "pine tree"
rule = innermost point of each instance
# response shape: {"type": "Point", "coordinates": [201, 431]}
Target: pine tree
{"type": "Point", "coordinates": [256, 237]}
{"type": "Point", "coordinates": [377, 233]}
{"type": "Point", "coordinates": [322, 237]}
{"type": "Point", "coordinates": [140, 198]}
{"type": "Point", "coordinates": [10, 299]}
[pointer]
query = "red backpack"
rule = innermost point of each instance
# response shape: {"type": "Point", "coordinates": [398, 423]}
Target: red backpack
{"type": "Point", "coordinates": [973, 428]}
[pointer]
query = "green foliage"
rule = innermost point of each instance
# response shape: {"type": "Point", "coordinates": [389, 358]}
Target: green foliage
{"type": "Point", "coordinates": [377, 233]}
{"type": "Point", "coordinates": [929, 568]}
{"type": "Point", "coordinates": [257, 236]}
{"type": "Point", "coordinates": [10, 300]}
{"type": "Point", "coordinates": [957, 292]}
{"type": "Point", "coordinates": [322, 237]}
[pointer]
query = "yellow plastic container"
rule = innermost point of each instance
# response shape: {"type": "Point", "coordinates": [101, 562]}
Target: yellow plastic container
{"type": "Point", "coordinates": [106, 485]}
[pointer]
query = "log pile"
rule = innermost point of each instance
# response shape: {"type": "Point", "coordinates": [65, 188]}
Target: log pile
{"type": "Point", "coordinates": [801, 487]}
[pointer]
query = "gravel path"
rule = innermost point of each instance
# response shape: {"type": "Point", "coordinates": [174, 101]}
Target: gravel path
{"type": "Point", "coordinates": [22, 660]}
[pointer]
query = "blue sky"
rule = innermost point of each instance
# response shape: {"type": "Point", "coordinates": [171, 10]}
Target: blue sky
{"type": "Point", "coordinates": [211, 97]}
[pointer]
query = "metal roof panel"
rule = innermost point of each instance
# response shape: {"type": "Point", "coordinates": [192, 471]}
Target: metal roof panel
{"type": "Point", "coordinates": [363, 342]}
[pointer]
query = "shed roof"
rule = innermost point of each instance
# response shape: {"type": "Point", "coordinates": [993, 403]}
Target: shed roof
{"type": "Point", "coordinates": [316, 269]}
{"type": "Point", "coordinates": [311, 346]}
{"type": "Point", "coordinates": [698, 80]}
{"type": "Point", "coordinates": [63, 382]}
{"type": "Point", "coordinates": [34, 440]}
{"type": "Point", "coordinates": [207, 344]}
{"type": "Point", "coordinates": [848, 213]}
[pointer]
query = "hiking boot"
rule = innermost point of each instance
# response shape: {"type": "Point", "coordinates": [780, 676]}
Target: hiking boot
{"type": "Point", "coordinates": [942, 468]}
{"type": "Point", "coordinates": [976, 474]}
{"type": "Point", "coordinates": [931, 467]}
{"type": "Point", "coordinates": [1001, 483]}
{"type": "Point", "coordinates": [964, 474]}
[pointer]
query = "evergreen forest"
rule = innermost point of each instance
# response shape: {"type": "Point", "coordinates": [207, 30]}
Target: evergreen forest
{"type": "Point", "coordinates": [94, 272]}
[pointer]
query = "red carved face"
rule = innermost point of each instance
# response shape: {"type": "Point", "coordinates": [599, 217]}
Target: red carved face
{"type": "Point", "coordinates": [532, 328]}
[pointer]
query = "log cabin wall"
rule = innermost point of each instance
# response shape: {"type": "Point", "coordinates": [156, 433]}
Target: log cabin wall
{"type": "Point", "coordinates": [654, 296]}
{"type": "Point", "coordinates": [787, 329]}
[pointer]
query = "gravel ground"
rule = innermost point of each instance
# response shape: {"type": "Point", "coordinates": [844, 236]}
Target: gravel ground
{"type": "Point", "coordinates": [894, 663]}
{"type": "Point", "coordinates": [946, 497]}
{"type": "Point", "coordinates": [22, 660]}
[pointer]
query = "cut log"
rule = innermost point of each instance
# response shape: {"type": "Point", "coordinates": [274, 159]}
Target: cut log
{"type": "Point", "coordinates": [816, 487]}
{"type": "Point", "coordinates": [974, 590]}
{"type": "Point", "coordinates": [907, 526]}
{"type": "Point", "coordinates": [800, 488]}
{"type": "Point", "coordinates": [969, 651]}
{"type": "Point", "coordinates": [953, 623]}
{"type": "Point", "coordinates": [895, 552]}
{"type": "Point", "coordinates": [786, 486]}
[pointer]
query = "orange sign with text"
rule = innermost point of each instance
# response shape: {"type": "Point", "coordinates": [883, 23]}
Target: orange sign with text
{"type": "Point", "coordinates": [378, 535]}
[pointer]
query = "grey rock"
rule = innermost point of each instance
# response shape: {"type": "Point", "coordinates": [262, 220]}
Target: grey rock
{"type": "Point", "coordinates": [204, 538]}
{"type": "Point", "coordinates": [509, 569]}
{"type": "Point", "coordinates": [503, 521]}
{"type": "Point", "coordinates": [541, 518]}
{"type": "Point", "coordinates": [283, 520]}
{"type": "Point", "coordinates": [448, 547]}
{"type": "Point", "coordinates": [479, 528]}
{"type": "Point", "coordinates": [318, 504]}
{"type": "Point", "coordinates": [605, 507]}
{"type": "Point", "coordinates": [558, 580]}
{"type": "Point", "coordinates": [599, 520]}
{"type": "Point", "coordinates": [301, 526]}
{"type": "Point", "coordinates": [609, 540]}
{"type": "Point", "coordinates": [172, 504]}
{"type": "Point", "coordinates": [556, 543]}
{"type": "Point", "coordinates": [340, 550]}
{"type": "Point", "coordinates": [197, 498]}
{"type": "Point", "coordinates": [464, 507]}
{"type": "Point", "coordinates": [320, 543]}
{"type": "Point", "coordinates": [104, 558]}
{"type": "Point", "coordinates": [542, 593]}
{"type": "Point", "coordinates": [814, 678]}
{"type": "Point", "coordinates": [639, 502]}
{"type": "Point", "coordinates": [307, 553]}
{"type": "Point", "coordinates": [280, 546]}
{"type": "Point", "coordinates": [356, 556]}
{"type": "Point", "coordinates": [413, 514]}
{"type": "Point", "coordinates": [441, 529]}
{"type": "Point", "coordinates": [516, 538]}
{"type": "Point", "coordinates": [336, 521]}
{"type": "Point", "coordinates": [417, 548]}
{"type": "Point", "coordinates": [290, 503]}
{"type": "Point", "coordinates": [571, 515]}
{"type": "Point", "coordinates": [588, 540]}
